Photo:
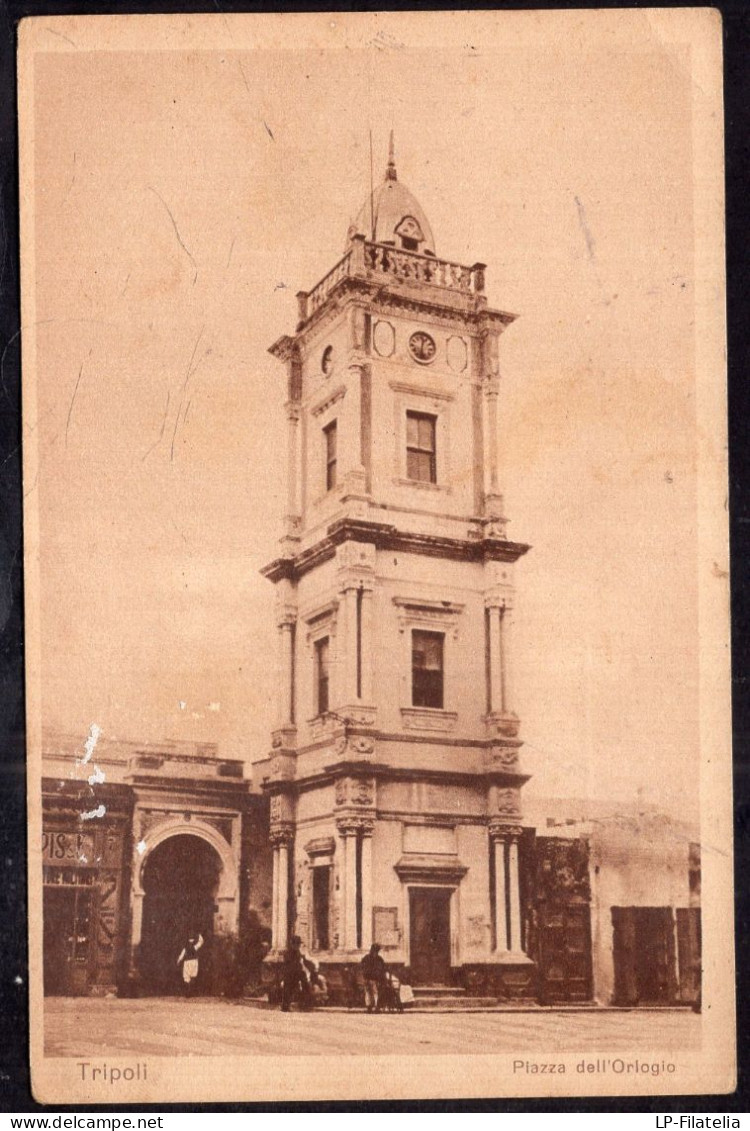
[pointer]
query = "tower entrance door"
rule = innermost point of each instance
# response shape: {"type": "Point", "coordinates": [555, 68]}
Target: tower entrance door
{"type": "Point", "coordinates": [430, 936]}
{"type": "Point", "coordinates": [180, 881]}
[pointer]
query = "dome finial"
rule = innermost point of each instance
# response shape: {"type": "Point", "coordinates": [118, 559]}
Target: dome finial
{"type": "Point", "coordinates": [390, 172]}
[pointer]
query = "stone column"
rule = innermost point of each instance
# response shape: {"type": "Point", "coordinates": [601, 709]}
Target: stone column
{"type": "Point", "coordinates": [501, 910]}
{"type": "Point", "coordinates": [292, 415]}
{"type": "Point", "coordinates": [348, 832]}
{"type": "Point", "coordinates": [286, 697]}
{"type": "Point", "coordinates": [367, 644]}
{"type": "Point", "coordinates": [491, 394]}
{"type": "Point", "coordinates": [350, 864]}
{"type": "Point", "coordinates": [506, 667]}
{"type": "Point", "coordinates": [282, 837]}
{"type": "Point", "coordinates": [515, 895]}
{"type": "Point", "coordinates": [496, 671]}
{"type": "Point", "coordinates": [275, 901]}
{"type": "Point", "coordinates": [367, 831]}
{"type": "Point", "coordinates": [283, 884]}
{"type": "Point", "coordinates": [348, 666]}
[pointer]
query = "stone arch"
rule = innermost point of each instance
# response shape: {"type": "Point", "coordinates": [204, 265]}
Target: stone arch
{"type": "Point", "coordinates": [227, 894]}
{"type": "Point", "coordinates": [178, 826]}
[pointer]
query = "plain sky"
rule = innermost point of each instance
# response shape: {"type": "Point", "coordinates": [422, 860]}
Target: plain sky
{"type": "Point", "coordinates": [182, 197]}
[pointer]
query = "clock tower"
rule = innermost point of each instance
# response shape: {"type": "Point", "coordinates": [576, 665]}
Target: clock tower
{"type": "Point", "coordinates": [394, 775]}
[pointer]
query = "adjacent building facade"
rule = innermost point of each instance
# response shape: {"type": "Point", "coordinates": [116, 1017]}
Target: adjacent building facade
{"type": "Point", "coordinates": [142, 844]}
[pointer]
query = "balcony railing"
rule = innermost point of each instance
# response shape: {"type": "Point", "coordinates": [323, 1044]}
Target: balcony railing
{"type": "Point", "coordinates": [366, 259]}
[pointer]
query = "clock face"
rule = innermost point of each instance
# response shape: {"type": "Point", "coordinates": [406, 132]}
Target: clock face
{"type": "Point", "coordinates": [326, 362]}
{"type": "Point", "coordinates": [422, 347]}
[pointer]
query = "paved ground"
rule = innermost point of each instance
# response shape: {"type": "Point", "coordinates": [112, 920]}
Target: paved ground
{"type": "Point", "coordinates": [209, 1027]}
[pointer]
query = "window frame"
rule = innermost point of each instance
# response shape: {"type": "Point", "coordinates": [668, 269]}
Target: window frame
{"type": "Point", "coordinates": [323, 643]}
{"type": "Point", "coordinates": [420, 450]}
{"type": "Point", "coordinates": [330, 431]}
{"type": "Point", "coordinates": [422, 693]}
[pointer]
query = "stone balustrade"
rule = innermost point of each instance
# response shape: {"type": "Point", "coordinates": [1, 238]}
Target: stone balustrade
{"type": "Point", "coordinates": [365, 259]}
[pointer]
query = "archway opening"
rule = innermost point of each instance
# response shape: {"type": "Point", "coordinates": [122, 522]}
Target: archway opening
{"type": "Point", "coordinates": [180, 881]}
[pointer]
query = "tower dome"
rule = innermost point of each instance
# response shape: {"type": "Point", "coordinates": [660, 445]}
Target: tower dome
{"type": "Point", "coordinates": [396, 216]}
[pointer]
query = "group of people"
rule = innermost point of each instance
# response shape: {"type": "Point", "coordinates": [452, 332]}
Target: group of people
{"type": "Point", "coordinates": [301, 978]}
{"type": "Point", "coordinates": [303, 982]}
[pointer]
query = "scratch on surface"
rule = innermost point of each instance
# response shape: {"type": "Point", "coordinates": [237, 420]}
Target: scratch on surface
{"type": "Point", "coordinates": [590, 244]}
{"type": "Point", "coordinates": [188, 374]}
{"type": "Point", "coordinates": [95, 732]}
{"type": "Point", "coordinates": [269, 131]}
{"type": "Point", "coordinates": [92, 814]}
{"type": "Point", "coordinates": [177, 232]}
{"type": "Point", "coordinates": [72, 179]}
{"type": "Point", "coordinates": [244, 76]}
{"type": "Point", "coordinates": [231, 249]}
{"type": "Point", "coordinates": [72, 402]}
{"type": "Point", "coordinates": [718, 571]}
{"type": "Point", "coordinates": [122, 292]}
{"type": "Point", "coordinates": [161, 434]}
{"type": "Point", "coordinates": [60, 35]}
{"type": "Point", "coordinates": [281, 287]}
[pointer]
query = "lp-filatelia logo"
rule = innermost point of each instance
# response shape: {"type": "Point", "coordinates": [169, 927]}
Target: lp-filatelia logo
{"type": "Point", "coordinates": [696, 1122]}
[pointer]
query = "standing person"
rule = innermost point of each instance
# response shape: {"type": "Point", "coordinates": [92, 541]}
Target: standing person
{"type": "Point", "coordinates": [296, 977]}
{"type": "Point", "coordinates": [374, 974]}
{"type": "Point", "coordinates": [189, 959]}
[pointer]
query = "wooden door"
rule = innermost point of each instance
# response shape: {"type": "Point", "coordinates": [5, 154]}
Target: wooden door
{"type": "Point", "coordinates": [67, 939]}
{"type": "Point", "coordinates": [564, 952]}
{"type": "Point", "coordinates": [430, 936]}
{"type": "Point", "coordinates": [644, 955]}
{"type": "Point", "coordinates": [655, 955]}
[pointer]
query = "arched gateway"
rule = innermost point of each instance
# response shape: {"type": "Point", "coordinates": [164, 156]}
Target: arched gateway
{"type": "Point", "coordinates": [185, 882]}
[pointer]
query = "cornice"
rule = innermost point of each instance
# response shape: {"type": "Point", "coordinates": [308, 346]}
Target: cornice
{"type": "Point", "coordinates": [453, 307]}
{"type": "Point", "coordinates": [387, 537]}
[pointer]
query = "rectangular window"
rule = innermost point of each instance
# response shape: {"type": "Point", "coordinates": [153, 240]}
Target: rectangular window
{"type": "Point", "coordinates": [420, 447]}
{"type": "Point", "coordinates": [427, 669]}
{"type": "Point", "coordinates": [321, 894]}
{"type": "Point", "coordinates": [321, 674]}
{"type": "Point", "coordinates": [329, 433]}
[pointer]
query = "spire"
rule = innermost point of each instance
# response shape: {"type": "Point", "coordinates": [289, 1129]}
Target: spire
{"type": "Point", "coordinates": [390, 172]}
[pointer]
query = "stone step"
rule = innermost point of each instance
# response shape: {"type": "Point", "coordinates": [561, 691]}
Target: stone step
{"type": "Point", "coordinates": [439, 991]}
{"type": "Point", "coordinates": [452, 1004]}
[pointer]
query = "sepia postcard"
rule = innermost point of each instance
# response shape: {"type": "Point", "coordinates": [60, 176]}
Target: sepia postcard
{"type": "Point", "coordinates": [376, 554]}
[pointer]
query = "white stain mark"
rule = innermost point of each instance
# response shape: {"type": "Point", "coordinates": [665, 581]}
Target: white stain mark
{"type": "Point", "coordinates": [83, 859]}
{"type": "Point", "coordinates": [98, 812]}
{"type": "Point", "coordinates": [140, 847]}
{"type": "Point", "coordinates": [90, 744]}
{"type": "Point", "coordinates": [97, 777]}
{"type": "Point", "coordinates": [214, 706]}
{"type": "Point", "coordinates": [18, 980]}
{"type": "Point", "coordinates": [182, 704]}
